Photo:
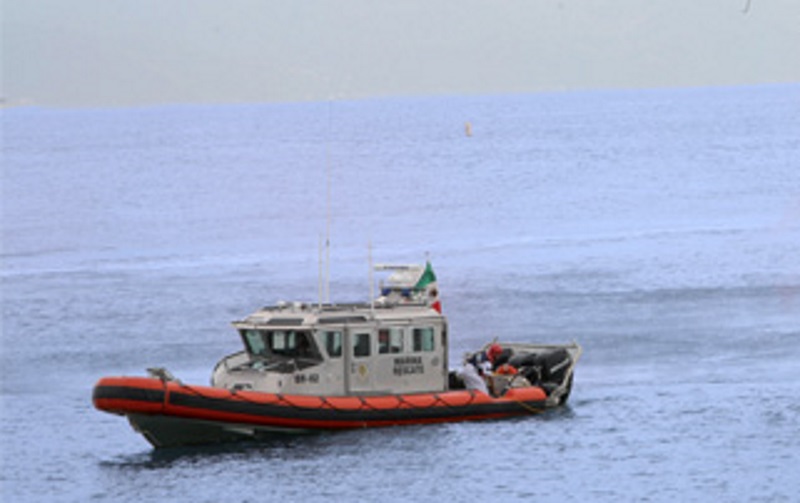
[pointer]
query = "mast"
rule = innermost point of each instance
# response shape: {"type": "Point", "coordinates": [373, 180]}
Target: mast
{"type": "Point", "coordinates": [328, 208]}
{"type": "Point", "coordinates": [371, 279]}
{"type": "Point", "coordinates": [320, 280]}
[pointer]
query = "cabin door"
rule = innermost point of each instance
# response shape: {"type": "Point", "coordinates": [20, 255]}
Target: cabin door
{"type": "Point", "coordinates": [360, 371]}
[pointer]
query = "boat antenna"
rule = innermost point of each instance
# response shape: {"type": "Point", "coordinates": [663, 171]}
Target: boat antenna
{"type": "Point", "coordinates": [328, 206]}
{"type": "Point", "coordinates": [371, 279]}
{"type": "Point", "coordinates": [320, 288]}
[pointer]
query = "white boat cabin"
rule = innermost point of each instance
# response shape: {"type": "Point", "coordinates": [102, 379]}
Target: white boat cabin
{"type": "Point", "coordinates": [397, 344]}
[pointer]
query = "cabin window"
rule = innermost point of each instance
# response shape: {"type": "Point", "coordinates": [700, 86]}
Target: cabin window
{"type": "Point", "coordinates": [288, 343]}
{"type": "Point", "coordinates": [361, 345]}
{"type": "Point", "coordinates": [333, 343]}
{"type": "Point", "coordinates": [254, 340]}
{"type": "Point", "coordinates": [423, 339]}
{"type": "Point", "coordinates": [390, 340]}
{"type": "Point", "coordinates": [279, 341]}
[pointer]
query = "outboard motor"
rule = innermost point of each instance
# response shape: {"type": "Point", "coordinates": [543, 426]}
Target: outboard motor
{"type": "Point", "coordinates": [547, 369]}
{"type": "Point", "coordinates": [554, 365]}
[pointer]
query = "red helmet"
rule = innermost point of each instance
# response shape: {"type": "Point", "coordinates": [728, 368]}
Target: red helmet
{"type": "Point", "coordinates": [494, 351]}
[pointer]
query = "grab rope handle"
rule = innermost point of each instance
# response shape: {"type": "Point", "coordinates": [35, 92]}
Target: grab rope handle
{"type": "Point", "coordinates": [279, 398]}
{"type": "Point", "coordinates": [532, 410]}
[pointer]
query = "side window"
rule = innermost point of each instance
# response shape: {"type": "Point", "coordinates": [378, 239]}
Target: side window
{"type": "Point", "coordinates": [333, 343]}
{"type": "Point", "coordinates": [383, 341]}
{"type": "Point", "coordinates": [396, 340]}
{"type": "Point", "coordinates": [361, 345]}
{"type": "Point", "coordinates": [423, 339]}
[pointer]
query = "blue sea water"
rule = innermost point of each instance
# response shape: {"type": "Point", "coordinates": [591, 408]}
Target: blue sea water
{"type": "Point", "coordinates": [659, 228]}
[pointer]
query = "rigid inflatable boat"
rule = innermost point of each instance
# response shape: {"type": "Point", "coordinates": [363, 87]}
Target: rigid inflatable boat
{"type": "Point", "coordinates": [326, 367]}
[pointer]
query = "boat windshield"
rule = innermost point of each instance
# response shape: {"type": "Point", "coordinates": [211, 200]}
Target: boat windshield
{"type": "Point", "coordinates": [280, 343]}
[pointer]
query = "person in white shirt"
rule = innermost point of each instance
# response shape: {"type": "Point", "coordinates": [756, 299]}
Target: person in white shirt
{"type": "Point", "coordinates": [472, 378]}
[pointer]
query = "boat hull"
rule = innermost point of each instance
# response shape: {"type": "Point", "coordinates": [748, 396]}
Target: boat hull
{"type": "Point", "coordinates": [169, 413]}
{"type": "Point", "coordinates": [171, 431]}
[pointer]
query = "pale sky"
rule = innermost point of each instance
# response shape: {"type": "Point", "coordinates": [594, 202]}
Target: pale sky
{"type": "Point", "coordinates": [139, 52]}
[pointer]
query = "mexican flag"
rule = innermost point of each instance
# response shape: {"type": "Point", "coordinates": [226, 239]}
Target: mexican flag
{"type": "Point", "coordinates": [427, 283]}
